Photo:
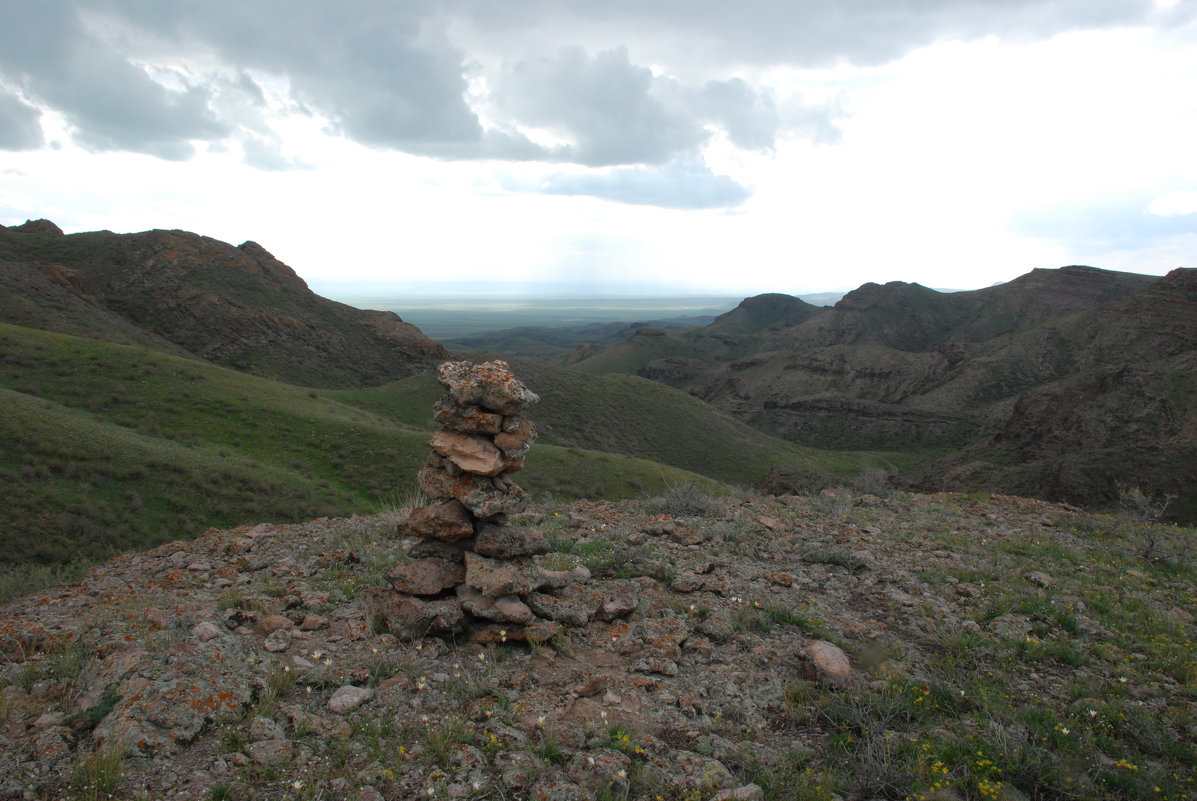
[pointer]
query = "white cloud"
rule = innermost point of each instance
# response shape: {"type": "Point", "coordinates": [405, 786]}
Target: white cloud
{"type": "Point", "coordinates": [762, 144]}
{"type": "Point", "coordinates": [1173, 204]}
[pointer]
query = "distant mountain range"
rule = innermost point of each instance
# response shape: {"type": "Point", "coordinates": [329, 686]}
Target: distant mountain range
{"type": "Point", "coordinates": [1067, 383]}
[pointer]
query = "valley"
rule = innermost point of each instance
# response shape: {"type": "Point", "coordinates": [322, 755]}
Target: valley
{"type": "Point", "coordinates": [158, 384]}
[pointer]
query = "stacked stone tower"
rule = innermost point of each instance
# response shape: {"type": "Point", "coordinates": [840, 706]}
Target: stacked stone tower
{"type": "Point", "coordinates": [470, 570]}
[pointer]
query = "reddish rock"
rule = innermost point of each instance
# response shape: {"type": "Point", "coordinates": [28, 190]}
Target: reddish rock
{"type": "Point", "coordinates": [490, 385]}
{"type": "Point", "coordinates": [472, 453]}
{"type": "Point", "coordinates": [469, 419]}
{"type": "Point", "coordinates": [494, 578]}
{"type": "Point", "coordinates": [826, 661]}
{"type": "Point", "coordinates": [453, 551]}
{"type": "Point", "coordinates": [447, 521]}
{"type": "Point", "coordinates": [504, 609]}
{"type": "Point", "coordinates": [272, 623]}
{"type": "Point", "coordinates": [507, 542]}
{"type": "Point", "coordinates": [618, 605]}
{"type": "Point", "coordinates": [485, 497]}
{"type": "Point", "coordinates": [427, 576]}
{"type": "Point", "coordinates": [659, 638]}
{"type": "Point", "coordinates": [411, 618]}
{"type": "Point", "coordinates": [517, 437]}
{"type": "Point", "coordinates": [574, 607]}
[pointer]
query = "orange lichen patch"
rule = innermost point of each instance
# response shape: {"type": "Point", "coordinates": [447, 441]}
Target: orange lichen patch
{"type": "Point", "coordinates": [172, 578]}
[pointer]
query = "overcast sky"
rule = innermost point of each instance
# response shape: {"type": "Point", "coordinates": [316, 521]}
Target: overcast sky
{"type": "Point", "coordinates": [756, 145]}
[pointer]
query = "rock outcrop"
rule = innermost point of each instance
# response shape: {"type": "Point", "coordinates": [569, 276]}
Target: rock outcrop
{"type": "Point", "coordinates": [470, 569]}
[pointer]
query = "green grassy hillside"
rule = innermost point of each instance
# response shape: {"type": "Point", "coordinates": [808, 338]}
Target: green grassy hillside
{"type": "Point", "coordinates": [626, 414]}
{"type": "Point", "coordinates": [113, 447]}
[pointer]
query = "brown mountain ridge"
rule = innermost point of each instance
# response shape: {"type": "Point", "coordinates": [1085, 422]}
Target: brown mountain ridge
{"type": "Point", "coordinates": [235, 306]}
{"type": "Point", "coordinates": [1064, 384]}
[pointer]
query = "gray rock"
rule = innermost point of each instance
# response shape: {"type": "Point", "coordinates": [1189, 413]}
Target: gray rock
{"type": "Point", "coordinates": [509, 542]}
{"type": "Point", "coordinates": [278, 641]}
{"type": "Point", "coordinates": [269, 752]}
{"type": "Point", "coordinates": [348, 698]}
{"type": "Point", "coordinates": [204, 631]}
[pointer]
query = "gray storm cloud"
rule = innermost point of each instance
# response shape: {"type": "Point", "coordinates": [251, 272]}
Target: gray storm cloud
{"type": "Point", "coordinates": [19, 127]}
{"type": "Point", "coordinates": [477, 80]}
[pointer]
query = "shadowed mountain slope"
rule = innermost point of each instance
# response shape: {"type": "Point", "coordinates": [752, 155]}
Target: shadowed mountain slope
{"type": "Point", "coordinates": [902, 366]}
{"type": "Point", "coordinates": [235, 306]}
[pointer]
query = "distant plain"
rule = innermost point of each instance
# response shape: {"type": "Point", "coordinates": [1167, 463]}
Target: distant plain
{"type": "Point", "coordinates": [445, 317]}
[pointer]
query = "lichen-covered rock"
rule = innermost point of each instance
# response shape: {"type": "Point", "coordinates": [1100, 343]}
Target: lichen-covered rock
{"type": "Point", "coordinates": [485, 497]}
{"type": "Point", "coordinates": [509, 542]}
{"type": "Point", "coordinates": [655, 637]}
{"type": "Point", "coordinates": [469, 419]}
{"type": "Point", "coordinates": [572, 609]}
{"type": "Point", "coordinates": [493, 578]}
{"type": "Point", "coordinates": [453, 551]}
{"type": "Point", "coordinates": [490, 385]}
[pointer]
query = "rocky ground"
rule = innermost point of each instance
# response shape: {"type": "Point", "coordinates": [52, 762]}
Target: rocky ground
{"type": "Point", "coordinates": [836, 645]}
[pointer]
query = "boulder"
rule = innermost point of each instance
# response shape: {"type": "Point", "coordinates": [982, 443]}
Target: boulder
{"type": "Point", "coordinates": [508, 542]}
{"type": "Point", "coordinates": [410, 618]}
{"type": "Point", "coordinates": [468, 419]}
{"type": "Point", "coordinates": [827, 661]}
{"type": "Point", "coordinates": [470, 452]}
{"type": "Point", "coordinates": [504, 609]}
{"type": "Point", "coordinates": [485, 497]}
{"type": "Point", "coordinates": [427, 576]}
{"type": "Point", "coordinates": [348, 698]}
{"type": "Point", "coordinates": [449, 521]}
{"type": "Point", "coordinates": [490, 385]}
{"type": "Point", "coordinates": [517, 437]}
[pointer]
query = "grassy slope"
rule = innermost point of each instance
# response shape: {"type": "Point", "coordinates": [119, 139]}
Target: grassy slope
{"type": "Point", "coordinates": [110, 447]}
{"type": "Point", "coordinates": [620, 413]}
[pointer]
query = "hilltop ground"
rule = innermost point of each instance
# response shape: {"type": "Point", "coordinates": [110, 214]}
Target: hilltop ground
{"type": "Point", "coordinates": [996, 647]}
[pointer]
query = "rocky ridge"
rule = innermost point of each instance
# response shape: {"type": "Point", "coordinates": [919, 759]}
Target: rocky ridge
{"type": "Point", "coordinates": [824, 646]}
{"type": "Point", "coordinates": [237, 306]}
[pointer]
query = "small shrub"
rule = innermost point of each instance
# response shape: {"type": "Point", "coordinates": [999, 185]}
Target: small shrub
{"type": "Point", "coordinates": [872, 482]}
{"type": "Point", "coordinates": [683, 500]}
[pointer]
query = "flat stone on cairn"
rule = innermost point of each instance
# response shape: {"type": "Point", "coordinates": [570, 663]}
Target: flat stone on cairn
{"type": "Point", "coordinates": [470, 570]}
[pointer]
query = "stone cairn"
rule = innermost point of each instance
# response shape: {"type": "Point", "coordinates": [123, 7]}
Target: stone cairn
{"type": "Point", "coordinates": [470, 571]}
